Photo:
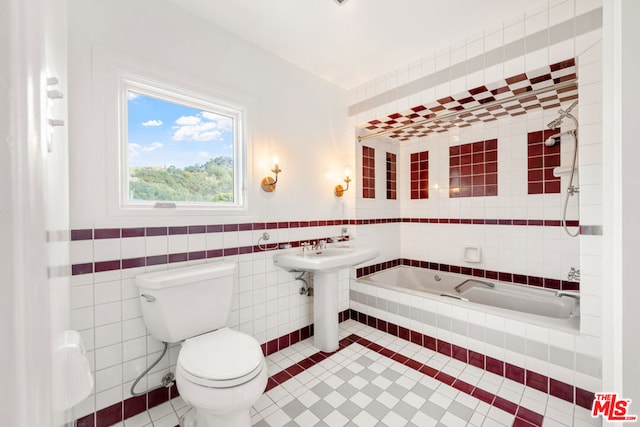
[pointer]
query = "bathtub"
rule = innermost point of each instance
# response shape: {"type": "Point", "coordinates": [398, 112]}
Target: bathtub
{"type": "Point", "coordinates": [515, 301]}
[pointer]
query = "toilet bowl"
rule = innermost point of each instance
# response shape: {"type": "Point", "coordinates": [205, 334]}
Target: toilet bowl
{"type": "Point", "coordinates": [220, 372]}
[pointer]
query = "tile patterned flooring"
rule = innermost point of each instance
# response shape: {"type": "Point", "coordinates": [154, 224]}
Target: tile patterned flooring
{"type": "Point", "coordinates": [390, 383]}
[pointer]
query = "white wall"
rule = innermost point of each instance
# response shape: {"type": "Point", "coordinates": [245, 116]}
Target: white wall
{"type": "Point", "coordinates": [33, 213]}
{"type": "Point", "coordinates": [290, 111]}
{"type": "Point", "coordinates": [621, 349]}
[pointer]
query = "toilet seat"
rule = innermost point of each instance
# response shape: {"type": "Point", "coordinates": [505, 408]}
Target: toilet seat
{"type": "Point", "coordinates": [220, 359]}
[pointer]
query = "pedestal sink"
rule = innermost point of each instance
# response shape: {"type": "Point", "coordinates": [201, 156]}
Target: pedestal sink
{"type": "Point", "coordinates": [325, 264]}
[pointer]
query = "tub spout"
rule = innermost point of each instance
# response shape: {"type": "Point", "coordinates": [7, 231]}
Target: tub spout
{"type": "Point", "coordinates": [471, 281]}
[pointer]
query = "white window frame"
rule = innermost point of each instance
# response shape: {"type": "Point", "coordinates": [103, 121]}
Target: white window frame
{"type": "Point", "coordinates": [171, 93]}
{"type": "Point", "coordinates": [110, 69]}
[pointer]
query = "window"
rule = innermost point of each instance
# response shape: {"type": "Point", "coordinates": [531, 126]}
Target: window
{"type": "Point", "coordinates": [179, 149]}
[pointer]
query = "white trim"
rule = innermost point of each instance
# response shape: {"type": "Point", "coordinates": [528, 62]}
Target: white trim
{"type": "Point", "coordinates": [115, 71]}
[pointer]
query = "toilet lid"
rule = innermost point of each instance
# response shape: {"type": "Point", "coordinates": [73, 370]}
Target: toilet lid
{"type": "Point", "coordinates": [221, 358]}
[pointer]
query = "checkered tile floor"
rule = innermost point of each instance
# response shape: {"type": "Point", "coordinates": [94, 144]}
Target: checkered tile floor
{"type": "Point", "coordinates": [358, 386]}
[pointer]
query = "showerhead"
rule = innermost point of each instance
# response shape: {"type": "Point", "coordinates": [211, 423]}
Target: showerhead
{"type": "Point", "coordinates": [553, 139]}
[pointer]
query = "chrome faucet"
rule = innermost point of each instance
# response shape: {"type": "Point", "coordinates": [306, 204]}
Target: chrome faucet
{"type": "Point", "coordinates": [321, 244]}
{"type": "Point", "coordinates": [574, 275]}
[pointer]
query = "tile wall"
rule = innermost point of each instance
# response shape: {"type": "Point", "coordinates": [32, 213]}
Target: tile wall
{"type": "Point", "coordinates": [442, 226]}
{"type": "Point", "coordinates": [106, 311]}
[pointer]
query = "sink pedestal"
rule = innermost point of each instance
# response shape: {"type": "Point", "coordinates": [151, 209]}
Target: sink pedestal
{"type": "Point", "coordinates": [325, 310]}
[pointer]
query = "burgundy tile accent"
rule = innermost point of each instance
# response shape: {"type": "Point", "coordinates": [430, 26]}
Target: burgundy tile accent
{"type": "Point", "coordinates": [181, 257]}
{"type": "Point", "coordinates": [133, 263]}
{"type": "Point", "coordinates": [584, 398]}
{"type": "Point", "coordinates": [541, 162]}
{"type": "Point", "coordinates": [133, 232]}
{"type": "Point", "coordinates": [505, 405]}
{"type": "Point", "coordinates": [444, 348]}
{"type": "Point", "coordinates": [178, 230]}
{"type": "Point", "coordinates": [157, 397]}
{"type": "Point", "coordinates": [214, 253]}
{"type": "Point", "coordinates": [463, 386]}
{"type": "Point", "coordinates": [109, 415]}
{"type": "Point", "coordinates": [483, 395]}
{"type": "Point", "coordinates": [135, 405]}
{"type": "Point", "coordinates": [197, 229]}
{"type": "Point", "coordinates": [419, 178]}
{"type": "Point", "coordinates": [86, 421]}
{"type": "Point", "coordinates": [85, 234]}
{"type": "Point", "coordinates": [392, 193]}
{"type": "Point", "coordinates": [514, 373]}
{"type": "Point", "coordinates": [445, 378]}
{"type": "Point", "coordinates": [476, 359]}
{"type": "Point", "coordinates": [106, 233]}
{"type": "Point", "coordinates": [537, 381]}
{"type": "Point", "coordinates": [495, 366]}
{"type": "Point", "coordinates": [561, 390]}
{"type": "Point", "coordinates": [460, 353]}
{"type": "Point", "coordinates": [197, 255]}
{"type": "Point", "coordinates": [530, 416]}
{"type": "Point", "coordinates": [157, 260]}
{"type": "Point", "coordinates": [473, 171]}
{"type": "Point", "coordinates": [230, 227]}
{"type": "Point", "coordinates": [368, 172]}
{"type": "Point", "coordinates": [106, 266]}
{"type": "Point", "coordinates": [156, 231]}
{"type": "Point", "coordinates": [217, 228]}
{"type": "Point", "coordinates": [77, 269]}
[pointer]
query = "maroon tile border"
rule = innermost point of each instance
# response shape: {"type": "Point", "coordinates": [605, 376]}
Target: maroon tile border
{"type": "Point", "coordinates": [104, 233]}
{"type": "Point", "coordinates": [392, 180]}
{"type": "Point", "coordinates": [535, 281]}
{"type": "Point", "coordinates": [520, 375]}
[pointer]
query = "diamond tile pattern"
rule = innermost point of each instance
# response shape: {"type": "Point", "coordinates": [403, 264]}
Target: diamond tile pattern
{"type": "Point", "coordinates": [488, 94]}
{"type": "Point", "coordinates": [375, 379]}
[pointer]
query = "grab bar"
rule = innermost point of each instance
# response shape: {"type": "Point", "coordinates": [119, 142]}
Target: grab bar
{"type": "Point", "coordinates": [489, 284]}
{"type": "Point", "coordinates": [454, 296]}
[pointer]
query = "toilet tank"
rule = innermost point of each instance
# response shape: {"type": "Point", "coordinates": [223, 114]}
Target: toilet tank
{"type": "Point", "coordinates": [184, 302]}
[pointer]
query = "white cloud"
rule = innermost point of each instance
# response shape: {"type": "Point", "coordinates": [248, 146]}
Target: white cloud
{"type": "Point", "coordinates": [152, 123]}
{"type": "Point", "coordinates": [193, 128]}
{"type": "Point", "coordinates": [188, 120]}
{"type": "Point", "coordinates": [224, 123]}
{"type": "Point", "coordinates": [204, 154]}
{"type": "Point", "coordinates": [132, 95]}
{"type": "Point", "coordinates": [153, 146]}
{"type": "Point", "coordinates": [134, 149]}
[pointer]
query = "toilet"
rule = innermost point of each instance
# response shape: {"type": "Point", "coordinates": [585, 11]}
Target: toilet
{"type": "Point", "coordinates": [220, 372]}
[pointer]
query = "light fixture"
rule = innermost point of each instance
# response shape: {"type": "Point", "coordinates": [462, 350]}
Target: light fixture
{"type": "Point", "coordinates": [339, 189]}
{"type": "Point", "coordinates": [269, 184]}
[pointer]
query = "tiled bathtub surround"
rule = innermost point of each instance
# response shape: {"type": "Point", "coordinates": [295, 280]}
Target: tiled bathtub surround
{"type": "Point", "coordinates": [539, 282]}
{"type": "Point", "coordinates": [518, 348]}
{"type": "Point", "coordinates": [392, 173]}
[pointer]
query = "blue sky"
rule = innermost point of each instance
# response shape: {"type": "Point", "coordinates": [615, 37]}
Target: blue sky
{"type": "Point", "coordinates": [162, 133]}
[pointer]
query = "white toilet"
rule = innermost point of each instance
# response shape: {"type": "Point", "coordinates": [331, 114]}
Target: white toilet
{"type": "Point", "coordinates": [220, 372]}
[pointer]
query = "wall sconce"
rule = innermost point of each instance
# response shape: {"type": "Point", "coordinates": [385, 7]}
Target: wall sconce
{"type": "Point", "coordinates": [339, 189]}
{"type": "Point", "coordinates": [269, 184]}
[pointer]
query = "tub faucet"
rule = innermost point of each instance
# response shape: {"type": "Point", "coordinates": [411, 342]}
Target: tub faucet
{"type": "Point", "coordinates": [574, 275]}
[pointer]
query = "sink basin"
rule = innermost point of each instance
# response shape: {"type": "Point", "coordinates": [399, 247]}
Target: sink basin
{"type": "Point", "coordinates": [324, 260]}
{"type": "Point", "coordinates": [324, 264]}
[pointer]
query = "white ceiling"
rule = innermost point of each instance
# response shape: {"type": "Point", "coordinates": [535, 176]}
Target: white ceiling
{"type": "Point", "coordinates": [360, 40]}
